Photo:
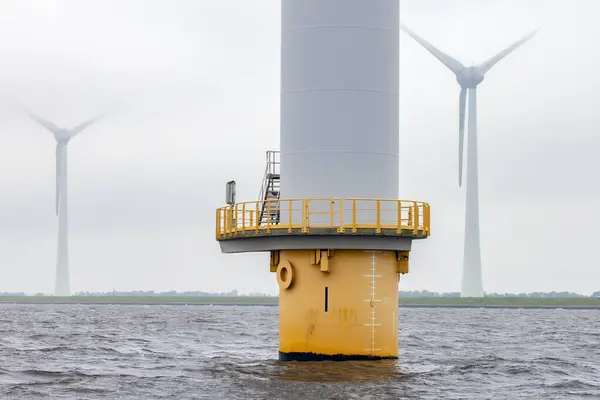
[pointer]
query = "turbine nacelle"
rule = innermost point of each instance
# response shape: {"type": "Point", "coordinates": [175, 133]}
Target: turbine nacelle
{"type": "Point", "coordinates": [62, 136]}
{"type": "Point", "coordinates": [469, 77]}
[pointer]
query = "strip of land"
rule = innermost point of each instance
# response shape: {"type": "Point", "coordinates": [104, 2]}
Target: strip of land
{"type": "Point", "coordinates": [416, 302]}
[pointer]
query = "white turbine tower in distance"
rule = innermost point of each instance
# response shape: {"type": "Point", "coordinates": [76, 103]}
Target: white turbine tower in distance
{"type": "Point", "coordinates": [62, 137]}
{"type": "Point", "coordinates": [468, 78]}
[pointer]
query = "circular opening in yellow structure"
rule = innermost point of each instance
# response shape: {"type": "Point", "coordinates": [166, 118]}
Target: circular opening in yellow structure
{"type": "Point", "coordinates": [285, 275]}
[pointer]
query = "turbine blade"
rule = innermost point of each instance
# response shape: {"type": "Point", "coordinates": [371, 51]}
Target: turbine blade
{"type": "Point", "coordinates": [487, 65]}
{"type": "Point", "coordinates": [462, 102]}
{"type": "Point", "coordinates": [76, 130]}
{"type": "Point", "coordinates": [453, 64]}
{"type": "Point", "coordinates": [59, 159]}
{"type": "Point", "coordinates": [46, 124]}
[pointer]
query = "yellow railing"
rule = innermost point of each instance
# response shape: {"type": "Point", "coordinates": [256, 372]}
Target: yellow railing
{"type": "Point", "coordinates": [343, 215]}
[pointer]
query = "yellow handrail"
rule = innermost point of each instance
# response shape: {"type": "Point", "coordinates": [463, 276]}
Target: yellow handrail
{"type": "Point", "coordinates": [343, 215]}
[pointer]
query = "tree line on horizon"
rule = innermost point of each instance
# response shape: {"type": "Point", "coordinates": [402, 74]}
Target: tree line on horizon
{"type": "Point", "coordinates": [235, 293]}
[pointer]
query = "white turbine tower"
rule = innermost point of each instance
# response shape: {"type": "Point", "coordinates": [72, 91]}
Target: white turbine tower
{"type": "Point", "coordinates": [468, 78]}
{"type": "Point", "coordinates": [62, 136]}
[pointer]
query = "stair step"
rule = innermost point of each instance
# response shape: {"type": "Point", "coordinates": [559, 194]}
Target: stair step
{"type": "Point", "coordinates": [270, 212]}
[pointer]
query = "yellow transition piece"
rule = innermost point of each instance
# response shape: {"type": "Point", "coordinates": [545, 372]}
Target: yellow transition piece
{"type": "Point", "coordinates": [338, 304]}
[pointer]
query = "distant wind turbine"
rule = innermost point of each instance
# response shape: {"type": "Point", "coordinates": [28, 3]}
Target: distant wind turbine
{"type": "Point", "coordinates": [62, 137]}
{"type": "Point", "coordinates": [468, 78]}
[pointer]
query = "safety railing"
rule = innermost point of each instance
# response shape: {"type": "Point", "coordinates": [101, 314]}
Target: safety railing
{"type": "Point", "coordinates": [343, 216]}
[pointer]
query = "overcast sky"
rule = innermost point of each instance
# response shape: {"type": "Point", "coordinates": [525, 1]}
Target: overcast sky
{"type": "Point", "coordinates": [191, 88]}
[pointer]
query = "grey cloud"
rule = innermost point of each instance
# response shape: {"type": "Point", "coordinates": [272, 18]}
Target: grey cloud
{"type": "Point", "coordinates": [192, 89]}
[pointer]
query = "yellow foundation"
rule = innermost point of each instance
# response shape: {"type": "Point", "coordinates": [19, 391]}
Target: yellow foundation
{"type": "Point", "coordinates": [338, 304]}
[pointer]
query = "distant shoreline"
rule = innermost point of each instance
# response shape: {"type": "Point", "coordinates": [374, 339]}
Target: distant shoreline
{"type": "Point", "coordinates": [415, 302]}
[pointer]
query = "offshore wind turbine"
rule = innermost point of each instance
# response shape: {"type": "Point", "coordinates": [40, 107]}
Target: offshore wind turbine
{"type": "Point", "coordinates": [62, 137]}
{"type": "Point", "coordinates": [468, 78]}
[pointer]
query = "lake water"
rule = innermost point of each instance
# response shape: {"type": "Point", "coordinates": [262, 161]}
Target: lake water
{"type": "Point", "coordinates": [228, 352]}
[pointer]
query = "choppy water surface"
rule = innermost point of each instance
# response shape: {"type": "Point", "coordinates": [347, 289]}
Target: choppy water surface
{"type": "Point", "coordinates": [204, 352]}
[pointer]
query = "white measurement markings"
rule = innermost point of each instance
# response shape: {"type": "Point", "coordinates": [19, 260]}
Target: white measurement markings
{"type": "Point", "coordinates": [373, 301]}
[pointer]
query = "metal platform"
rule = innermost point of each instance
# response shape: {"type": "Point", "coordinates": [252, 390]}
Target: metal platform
{"type": "Point", "coordinates": [324, 217]}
